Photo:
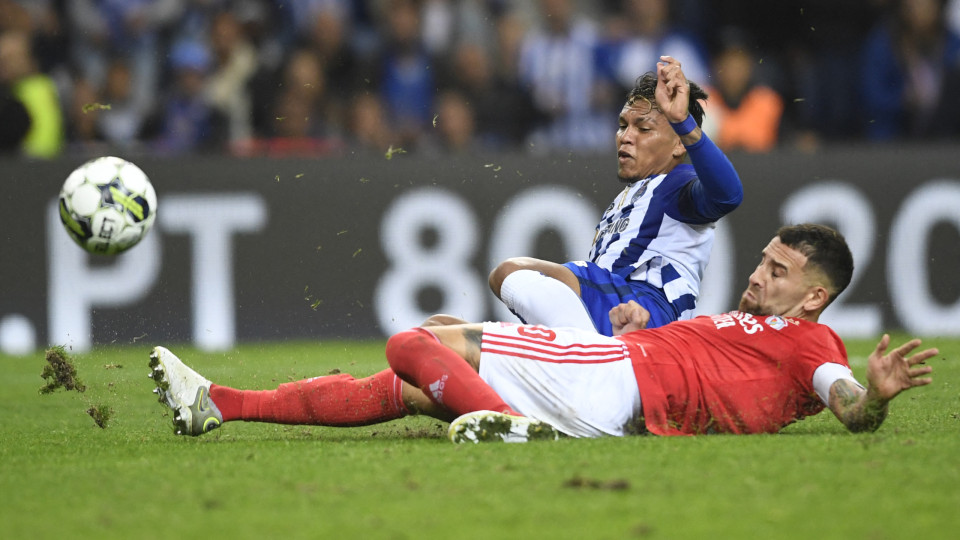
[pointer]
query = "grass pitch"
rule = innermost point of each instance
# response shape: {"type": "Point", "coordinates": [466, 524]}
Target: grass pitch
{"type": "Point", "coordinates": [63, 476]}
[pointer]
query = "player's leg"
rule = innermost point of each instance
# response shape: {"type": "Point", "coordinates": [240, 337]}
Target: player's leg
{"type": "Point", "coordinates": [443, 362]}
{"type": "Point", "coordinates": [602, 290]}
{"type": "Point", "coordinates": [550, 269]}
{"type": "Point", "coordinates": [580, 382]}
{"type": "Point", "coordinates": [332, 400]}
{"type": "Point", "coordinates": [336, 400]}
{"type": "Point", "coordinates": [442, 319]}
{"type": "Point", "coordinates": [418, 403]}
{"type": "Point", "coordinates": [540, 292]}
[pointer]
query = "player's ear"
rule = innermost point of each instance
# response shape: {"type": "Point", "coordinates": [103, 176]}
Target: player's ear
{"type": "Point", "coordinates": [817, 298]}
{"type": "Point", "coordinates": [679, 150]}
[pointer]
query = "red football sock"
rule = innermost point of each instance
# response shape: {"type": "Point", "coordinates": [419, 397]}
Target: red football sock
{"type": "Point", "coordinates": [334, 400]}
{"type": "Point", "coordinates": [446, 378]}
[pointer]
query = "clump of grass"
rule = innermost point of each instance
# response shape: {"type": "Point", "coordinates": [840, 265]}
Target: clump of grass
{"type": "Point", "coordinates": [101, 414]}
{"type": "Point", "coordinates": [60, 372]}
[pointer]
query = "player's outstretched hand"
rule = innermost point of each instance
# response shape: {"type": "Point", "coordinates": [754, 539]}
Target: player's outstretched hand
{"type": "Point", "coordinates": [673, 91]}
{"type": "Point", "coordinates": [628, 317]}
{"type": "Point", "coordinates": [888, 374]}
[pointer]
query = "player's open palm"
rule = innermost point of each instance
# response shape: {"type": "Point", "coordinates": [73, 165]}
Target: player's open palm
{"type": "Point", "coordinates": [891, 373]}
{"type": "Point", "coordinates": [673, 91]}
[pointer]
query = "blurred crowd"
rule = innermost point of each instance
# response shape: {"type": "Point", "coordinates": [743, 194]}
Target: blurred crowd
{"type": "Point", "coordinates": [329, 77]}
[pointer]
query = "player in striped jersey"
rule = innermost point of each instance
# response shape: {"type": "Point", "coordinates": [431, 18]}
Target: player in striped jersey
{"type": "Point", "coordinates": [654, 240]}
{"type": "Point", "coordinates": [748, 371]}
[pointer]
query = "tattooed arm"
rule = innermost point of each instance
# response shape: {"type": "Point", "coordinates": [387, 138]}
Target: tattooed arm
{"type": "Point", "coordinates": [473, 337]}
{"type": "Point", "coordinates": [853, 406]}
{"type": "Point", "coordinates": [887, 375]}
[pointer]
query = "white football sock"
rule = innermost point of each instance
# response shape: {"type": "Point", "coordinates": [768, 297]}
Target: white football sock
{"type": "Point", "coordinates": [538, 299]}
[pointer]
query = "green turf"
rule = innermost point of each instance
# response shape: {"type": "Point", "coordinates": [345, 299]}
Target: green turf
{"type": "Point", "coordinates": [61, 476]}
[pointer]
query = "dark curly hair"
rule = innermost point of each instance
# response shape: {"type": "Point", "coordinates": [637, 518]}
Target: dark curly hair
{"type": "Point", "coordinates": [824, 248]}
{"type": "Point", "coordinates": [645, 88]}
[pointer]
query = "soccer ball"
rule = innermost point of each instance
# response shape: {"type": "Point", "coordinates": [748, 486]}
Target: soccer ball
{"type": "Point", "coordinates": [107, 205]}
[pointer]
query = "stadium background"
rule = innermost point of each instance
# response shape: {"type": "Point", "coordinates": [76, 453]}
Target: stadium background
{"type": "Point", "coordinates": [340, 169]}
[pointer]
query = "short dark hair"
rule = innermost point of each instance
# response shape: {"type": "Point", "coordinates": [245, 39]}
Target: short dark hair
{"type": "Point", "coordinates": [645, 88]}
{"type": "Point", "coordinates": [824, 248]}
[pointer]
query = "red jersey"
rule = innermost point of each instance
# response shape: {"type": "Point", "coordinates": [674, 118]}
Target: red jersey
{"type": "Point", "coordinates": [730, 373]}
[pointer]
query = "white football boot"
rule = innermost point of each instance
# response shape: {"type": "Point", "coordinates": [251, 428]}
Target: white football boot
{"type": "Point", "coordinates": [492, 426]}
{"type": "Point", "coordinates": [185, 392]}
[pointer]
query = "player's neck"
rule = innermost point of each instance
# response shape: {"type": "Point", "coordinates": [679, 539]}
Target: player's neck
{"type": "Point", "coordinates": [812, 316]}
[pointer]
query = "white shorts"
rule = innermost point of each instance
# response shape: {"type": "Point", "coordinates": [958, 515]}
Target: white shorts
{"type": "Point", "coordinates": [580, 382]}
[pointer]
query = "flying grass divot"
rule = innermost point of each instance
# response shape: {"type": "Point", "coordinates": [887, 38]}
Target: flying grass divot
{"type": "Point", "coordinates": [101, 415]}
{"type": "Point", "coordinates": [60, 372]}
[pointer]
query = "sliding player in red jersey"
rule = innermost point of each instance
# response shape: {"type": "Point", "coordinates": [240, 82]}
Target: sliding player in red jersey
{"type": "Point", "coordinates": [754, 370]}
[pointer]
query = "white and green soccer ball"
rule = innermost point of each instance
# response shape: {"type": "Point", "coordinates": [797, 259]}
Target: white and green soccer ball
{"type": "Point", "coordinates": [107, 205]}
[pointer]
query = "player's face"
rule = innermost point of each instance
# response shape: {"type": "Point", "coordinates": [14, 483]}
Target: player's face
{"type": "Point", "coordinates": [646, 144]}
{"type": "Point", "coordinates": [779, 285]}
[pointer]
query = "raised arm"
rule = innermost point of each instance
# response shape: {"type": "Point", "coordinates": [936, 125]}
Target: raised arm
{"type": "Point", "coordinates": [718, 190]}
{"type": "Point", "coordinates": [887, 375]}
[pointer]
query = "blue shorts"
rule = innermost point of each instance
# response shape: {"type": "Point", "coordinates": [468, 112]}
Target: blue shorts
{"type": "Point", "coordinates": [601, 290]}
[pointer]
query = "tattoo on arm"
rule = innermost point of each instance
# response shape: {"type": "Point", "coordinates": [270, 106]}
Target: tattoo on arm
{"type": "Point", "coordinates": [855, 408]}
{"type": "Point", "coordinates": [846, 393]}
{"type": "Point", "coordinates": [473, 338]}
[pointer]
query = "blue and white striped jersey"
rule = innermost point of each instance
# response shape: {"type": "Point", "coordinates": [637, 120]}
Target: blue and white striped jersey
{"type": "Point", "coordinates": [653, 232]}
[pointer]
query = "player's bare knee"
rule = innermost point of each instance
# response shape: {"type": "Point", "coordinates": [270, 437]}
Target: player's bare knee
{"type": "Point", "coordinates": [503, 270]}
{"type": "Point", "coordinates": [417, 403]}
